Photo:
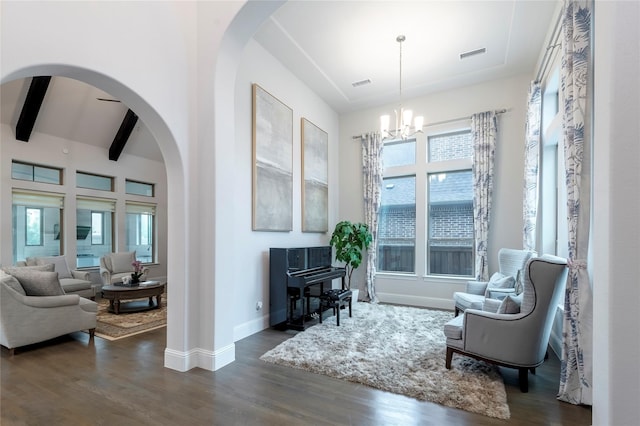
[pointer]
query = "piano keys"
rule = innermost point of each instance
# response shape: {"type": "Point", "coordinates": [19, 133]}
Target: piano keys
{"type": "Point", "coordinates": [292, 274]}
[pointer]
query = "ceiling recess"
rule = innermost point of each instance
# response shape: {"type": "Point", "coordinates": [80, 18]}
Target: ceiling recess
{"type": "Point", "coordinates": [473, 53]}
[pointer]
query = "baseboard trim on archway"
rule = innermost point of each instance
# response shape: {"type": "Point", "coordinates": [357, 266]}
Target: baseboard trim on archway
{"type": "Point", "coordinates": [199, 358]}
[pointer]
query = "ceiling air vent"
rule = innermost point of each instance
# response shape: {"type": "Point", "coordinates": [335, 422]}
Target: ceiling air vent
{"type": "Point", "coordinates": [473, 53]}
{"type": "Point", "coordinates": [361, 83]}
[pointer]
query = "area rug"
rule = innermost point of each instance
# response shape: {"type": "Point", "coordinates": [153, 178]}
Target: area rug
{"type": "Point", "coordinates": [113, 327]}
{"type": "Point", "coordinates": [396, 349]}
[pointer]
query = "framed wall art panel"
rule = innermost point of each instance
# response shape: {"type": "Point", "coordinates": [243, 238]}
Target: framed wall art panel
{"type": "Point", "coordinates": [315, 181]}
{"type": "Point", "coordinates": [272, 163]}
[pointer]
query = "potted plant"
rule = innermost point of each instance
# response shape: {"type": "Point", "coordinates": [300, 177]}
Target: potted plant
{"type": "Point", "coordinates": [349, 240]}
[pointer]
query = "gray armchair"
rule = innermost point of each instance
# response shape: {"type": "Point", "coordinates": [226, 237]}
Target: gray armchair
{"type": "Point", "coordinates": [516, 340]}
{"type": "Point", "coordinates": [25, 320]}
{"type": "Point", "coordinates": [114, 266]}
{"type": "Point", "coordinates": [510, 263]}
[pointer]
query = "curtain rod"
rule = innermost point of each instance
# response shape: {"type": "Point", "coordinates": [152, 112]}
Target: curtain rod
{"type": "Point", "coordinates": [451, 120]}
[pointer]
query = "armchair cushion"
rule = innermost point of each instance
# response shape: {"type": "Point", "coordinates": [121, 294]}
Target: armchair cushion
{"type": "Point", "coordinates": [59, 265]}
{"type": "Point", "coordinates": [509, 305]}
{"type": "Point", "coordinates": [453, 329]}
{"type": "Point", "coordinates": [38, 283]}
{"type": "Point", "coordinates": [121, 262]}
{"type": "Point", "coordinates": [468, 301]}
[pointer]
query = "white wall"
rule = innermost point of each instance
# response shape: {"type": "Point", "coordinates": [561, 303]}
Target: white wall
{"type": "Point", "coordinates": [251, 261]}
{"type": "Point", "coordinates": [48, 150]}
{"type": "Point", "coordinates": [506, 221]}
{"type": "Point", "coordinates": [616, 235]}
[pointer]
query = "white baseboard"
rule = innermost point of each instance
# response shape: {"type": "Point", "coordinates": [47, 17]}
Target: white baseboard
{"type": "Point", "coordinates": [423, 302]}
{"type": "Point", "coordinates": [200, 358]}
{"type": "Point", "coordinates": [250, 327]}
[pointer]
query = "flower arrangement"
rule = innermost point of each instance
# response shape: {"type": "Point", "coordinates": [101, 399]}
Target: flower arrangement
{"type": "Point", "coordinates": [137, 271]}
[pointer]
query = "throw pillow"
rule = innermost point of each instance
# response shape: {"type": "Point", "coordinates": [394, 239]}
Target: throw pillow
{"type": "Point", "coordinates": [59, 265]}
{"type": "Point", "coordinates": [12, 283]}
{"type": "Point", "coordinates": [39, 283]}
{"type": "Point", "coordinates": [509, 306]}
{"type": "Point", "coordinates": [496, 276]}
{"type": "Point", "coordinates": [122, 262]}
{"type": "Point", "coordinates": [499, 280]}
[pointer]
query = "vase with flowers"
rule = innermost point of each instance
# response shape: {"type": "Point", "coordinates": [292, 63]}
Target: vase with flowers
{"type": "Point", "coordinates": [137, 272]}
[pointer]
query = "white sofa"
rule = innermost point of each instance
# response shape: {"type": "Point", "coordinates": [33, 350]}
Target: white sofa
{"type": "Point", "coordinates": [72, 281]}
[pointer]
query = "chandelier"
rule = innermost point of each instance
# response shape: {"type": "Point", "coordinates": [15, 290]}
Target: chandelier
{"type": "Point", "coordinates": [402, 129]}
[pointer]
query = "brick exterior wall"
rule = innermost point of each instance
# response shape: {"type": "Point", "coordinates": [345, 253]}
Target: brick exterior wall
{"type": "Point", "coordinates": [449, 224]}
{"type": "Point", "coordinates": [450, 146]}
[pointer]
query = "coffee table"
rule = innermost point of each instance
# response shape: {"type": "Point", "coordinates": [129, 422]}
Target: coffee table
{"type": "Point", "coordinates": [116, 295]}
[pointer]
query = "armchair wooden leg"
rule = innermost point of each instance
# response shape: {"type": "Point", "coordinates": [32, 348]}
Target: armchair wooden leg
{"type": "Point", "coordinates": [92, 333]}
{"type": "Point", "coordinates": [524, 379]}
{"type": "Point", "coordinates": [447, 363]}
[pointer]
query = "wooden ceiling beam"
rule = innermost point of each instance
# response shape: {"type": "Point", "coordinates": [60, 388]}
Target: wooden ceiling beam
{"type": "Point", "coordinates": [127, 126]}
{"type": "Point", "coordinates": [31, 107]}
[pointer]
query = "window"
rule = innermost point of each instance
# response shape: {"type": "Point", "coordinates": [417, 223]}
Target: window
{"type": "Point", "coordinates": [426, 215]}
{"type": "Point", "coordinates": [139, 188]}
{"type": "Point", "coordinates": [35, 173]}
{"type": "Point", "coordinates": [140, 231]}
{"type": "Point", "coordinates": [91, 181]}
{"type": "Point", "coordinates": [97, 228]}
{"type": "Point", "coordinates": [450, 213]}
{"type": "Point", "coordinates": [397, 225]}
{"type": "Point", "coordinates": [94, 231]}
{"type": "Point", "coordinates": [399, 153]}
{"type": "Point", "coordinates": [36, 224]}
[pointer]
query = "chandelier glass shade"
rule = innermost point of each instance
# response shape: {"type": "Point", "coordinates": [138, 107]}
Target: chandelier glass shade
{"type": "Point", "coordinates": [403, 128]}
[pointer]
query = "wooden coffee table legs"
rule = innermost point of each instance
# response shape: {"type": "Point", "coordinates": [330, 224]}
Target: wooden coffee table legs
{"type": "Point", "coordinates": [116, 306]}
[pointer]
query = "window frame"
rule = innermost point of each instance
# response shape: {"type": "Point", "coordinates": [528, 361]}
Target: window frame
{"type": "Point", "coordinates": [95, 175]}
{"type": "Point", "coordinates": [421, 170]}
{"type": "Point", "coordinates": [127, 191]}
{"type": "Point", "coordinates": [34, 167]}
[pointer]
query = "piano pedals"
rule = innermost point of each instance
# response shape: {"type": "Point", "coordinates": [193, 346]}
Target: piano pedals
{"type": "Point", "coordinates": [312, 291]}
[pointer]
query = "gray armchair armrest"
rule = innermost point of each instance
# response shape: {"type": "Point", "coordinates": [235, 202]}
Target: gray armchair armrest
{"type": "Point", "coordinates": [81, 275]}
{"type": "Point", "coordinates": [105, 275]}
{"type": "Point", "coordinates": [476, 287]}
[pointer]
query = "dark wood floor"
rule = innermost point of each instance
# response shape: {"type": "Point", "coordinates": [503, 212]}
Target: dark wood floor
{"type": "Point", "coordinates": [70, 381]}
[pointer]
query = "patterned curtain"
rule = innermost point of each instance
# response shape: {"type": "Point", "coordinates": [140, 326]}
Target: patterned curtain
{"type": "Point", "coordinates": [372, 184]}
{"type": "Point", "coordinates": [577, 366]}
{"type": "Point", "coordinates": [484, 129]}
{"type": "Point", "coordinates": [531, 162]}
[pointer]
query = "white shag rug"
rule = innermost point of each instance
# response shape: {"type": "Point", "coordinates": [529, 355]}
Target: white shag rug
{"type": "Point", "coordinates": [397, 349]}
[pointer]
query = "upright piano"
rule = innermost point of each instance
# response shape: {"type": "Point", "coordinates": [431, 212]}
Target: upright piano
{"type": "Point", "coordinates": [292, 271]}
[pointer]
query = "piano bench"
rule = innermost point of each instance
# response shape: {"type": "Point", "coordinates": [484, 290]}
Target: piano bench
{"type": "Point", "coordinates": [335, 299]}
